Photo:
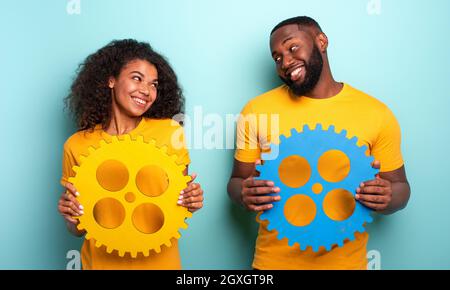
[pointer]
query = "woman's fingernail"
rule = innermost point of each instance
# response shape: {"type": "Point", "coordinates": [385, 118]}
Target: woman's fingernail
{"type": "Point", "coordinates": [182, 192]}
{"type": "Point", "coordinates": [81, 207]}
{"type": "Point", "coordinates": [77, 193]}
{"type": "Point", "coordinates": [81, 212]}
{"type": "Point", "coordinates": [179, 201]}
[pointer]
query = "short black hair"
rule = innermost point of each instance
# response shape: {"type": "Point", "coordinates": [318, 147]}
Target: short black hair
{"type": "Point", "coordinates": [300, 21]}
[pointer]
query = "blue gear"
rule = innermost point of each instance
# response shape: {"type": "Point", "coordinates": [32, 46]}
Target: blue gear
{"type": "Point", "coordinates": [311, 144]}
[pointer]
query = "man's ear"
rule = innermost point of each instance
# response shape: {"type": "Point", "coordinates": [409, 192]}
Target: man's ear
{"type": "Point", "coordinates": [322, 42]}
{"type": "Point", "coordinates": [111, 82]}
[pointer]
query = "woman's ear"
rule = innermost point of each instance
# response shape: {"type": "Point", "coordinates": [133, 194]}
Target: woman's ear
{"type": "Point", "coordinates": [111, 82]}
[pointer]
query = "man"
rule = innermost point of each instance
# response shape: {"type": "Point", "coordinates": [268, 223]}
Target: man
{"type": "Point", "coordinates": [311, 96]}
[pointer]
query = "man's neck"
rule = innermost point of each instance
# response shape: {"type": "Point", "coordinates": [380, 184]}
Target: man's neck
{"type": "Point", "coordinates": [326, 87]}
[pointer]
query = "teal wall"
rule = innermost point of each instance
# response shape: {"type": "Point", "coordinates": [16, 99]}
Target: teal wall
{"type": "Point", "coordinates": [219, 50]}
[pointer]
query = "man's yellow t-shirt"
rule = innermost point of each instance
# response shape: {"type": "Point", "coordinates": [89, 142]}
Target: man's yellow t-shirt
{"type": "Point", "coordinates": [361, 115]}
{"type": "Point", "coordinates": [163, 132]}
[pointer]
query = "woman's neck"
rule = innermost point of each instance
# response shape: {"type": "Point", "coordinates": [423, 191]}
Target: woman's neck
{"type": "Point", "coordinates": [120, 124]}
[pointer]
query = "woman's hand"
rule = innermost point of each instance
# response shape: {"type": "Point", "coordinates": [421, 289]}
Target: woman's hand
{"type": "Point", "coordinates": [192, 196]}
{"type": "Point", "coordinates": [68, 205]}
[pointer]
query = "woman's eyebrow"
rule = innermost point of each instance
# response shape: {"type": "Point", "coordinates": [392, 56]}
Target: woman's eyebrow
{"type": "Point", "coordinates": [137, 72]}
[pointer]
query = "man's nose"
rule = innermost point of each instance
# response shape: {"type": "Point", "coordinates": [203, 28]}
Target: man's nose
{"type": "Point", "coordinates": [287, 61]}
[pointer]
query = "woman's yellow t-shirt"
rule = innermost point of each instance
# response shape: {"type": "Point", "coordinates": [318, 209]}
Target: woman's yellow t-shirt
{"type": "Point", "coordinates": [164, 132]}
{"type": "Point", "coordinates": [277, 112]}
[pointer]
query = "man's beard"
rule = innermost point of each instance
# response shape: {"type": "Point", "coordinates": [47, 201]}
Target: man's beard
{"type": "Point", "coordinates": [313, 71]}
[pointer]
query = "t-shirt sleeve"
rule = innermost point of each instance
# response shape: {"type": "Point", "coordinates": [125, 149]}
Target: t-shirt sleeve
{"type": "Point", "coordinates": [247, 146]}
{"type": "Point", "coordinates": [178, 144]}
{"type": "Point", "coordinates": [68, 162]}
{"type": "Point", "coordinates": [387, 147]}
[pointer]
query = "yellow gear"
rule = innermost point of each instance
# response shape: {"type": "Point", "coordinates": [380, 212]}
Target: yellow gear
{"type": "Point", "coordinates": [129, 190]}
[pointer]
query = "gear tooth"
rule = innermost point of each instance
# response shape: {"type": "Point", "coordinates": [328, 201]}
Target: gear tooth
{"type": "Point", "coordinates": [164, 148]}
{"type": "Point", "coordinates": [282, 138]}
{"type": "Point", "coordinates": [259, 167]}
{"type": "Point", "coordinates": [177, 235]}
{"type": "Point", "coordinates": [293, 132]}
{"type": "Point", "coordinates": [184, 225]}
{"type": "Point", "coordinates": [331, 128]}
{"type": "Point", "coordinates": [126, 137]}
{"type": "Point", "coordinates": [103, 143]}
{"type": "Point", "coordinates": [157, 249]}
{"type": "Point", "coordinates": [174, 158]}
{"type": "Point", "coordinates": [75, 169]}
{"type": "Point", "coordinates": [121, 252]}
{"type": "Point", "coordinates": [318, 126]}
{"type": "Point", "coordinates": [114, 139]}
{"type": "Point", "coordinates": [168, 244]}
{"type": "Point", "coordinates": [81, 227]}
{"type": "Point", "coordinates": [306, 128]}
{"type": "Point", "coordinates": [140, 138]}
{"type": "Point", "coordinates": [340, 243]}
{"type": "Point", "coordinates": [133, 254]}
{"type": "Point", "coordinates": [91, 149]}
{"type": "Point", "coordinates": [343, 133]}
{"type": "Point", "coordinates": [81, 159]}
{"type": "Point", "coordinates": [146, 253]}
{"type": "Point", "coordinates": [72, 179]}
{"type": "Point", "coordinates": [109, 250]}
{"type": "Point", "coordinates": [152, 141]}
{"type": "Point", "coordinates": [354, 139]}
{"type": "Point", "coordinates": [291, 242]}
{"type": "Point", "coordinates": [98, 244]}
{"type": "Point", "coordinates": [361, 229]}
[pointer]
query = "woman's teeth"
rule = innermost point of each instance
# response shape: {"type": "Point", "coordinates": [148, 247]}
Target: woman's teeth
{"type": "Point", "coordinates": [139, 101]}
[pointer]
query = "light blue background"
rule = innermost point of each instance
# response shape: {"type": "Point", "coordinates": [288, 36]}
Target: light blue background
{"type": "Point", "coordinates": [219, 50]}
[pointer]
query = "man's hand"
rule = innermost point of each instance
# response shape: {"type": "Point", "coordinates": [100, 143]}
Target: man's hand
{"type": "Point", "coordinates": [375, 194]}
{"type": "Point", "coordinates": [254, 194]}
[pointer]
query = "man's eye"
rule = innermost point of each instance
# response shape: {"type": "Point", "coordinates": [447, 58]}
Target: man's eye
{"type": "Point", "coordinates": [294, 48]}
{"type": "Point", "coordinates": [277, 59]}
{"type": "Point", "coordinates": [136, 78]}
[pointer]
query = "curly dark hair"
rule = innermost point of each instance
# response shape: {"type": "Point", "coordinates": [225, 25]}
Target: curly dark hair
{"type": "Point", "coordinates": [90, 99]}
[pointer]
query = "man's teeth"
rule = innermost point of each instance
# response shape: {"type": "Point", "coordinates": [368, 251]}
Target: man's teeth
{"type": "Point", "coordinates": [296, 72]}
{"type": "Point", "coordinates": [139, 101]}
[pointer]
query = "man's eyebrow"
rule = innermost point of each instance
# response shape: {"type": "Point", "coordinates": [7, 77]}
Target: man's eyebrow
{"type": "Point", "coordinates": [286, 40]}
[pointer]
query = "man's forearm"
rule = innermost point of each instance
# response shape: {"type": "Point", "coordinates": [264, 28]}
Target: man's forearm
{"type": "Point", "coordinates": [234, 189]}
{"type": "Point", "coordinates": [400, 197]}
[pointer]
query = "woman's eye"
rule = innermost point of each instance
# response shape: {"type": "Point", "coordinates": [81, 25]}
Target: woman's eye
{"type": "Point", "coordinates": [155, 85]}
